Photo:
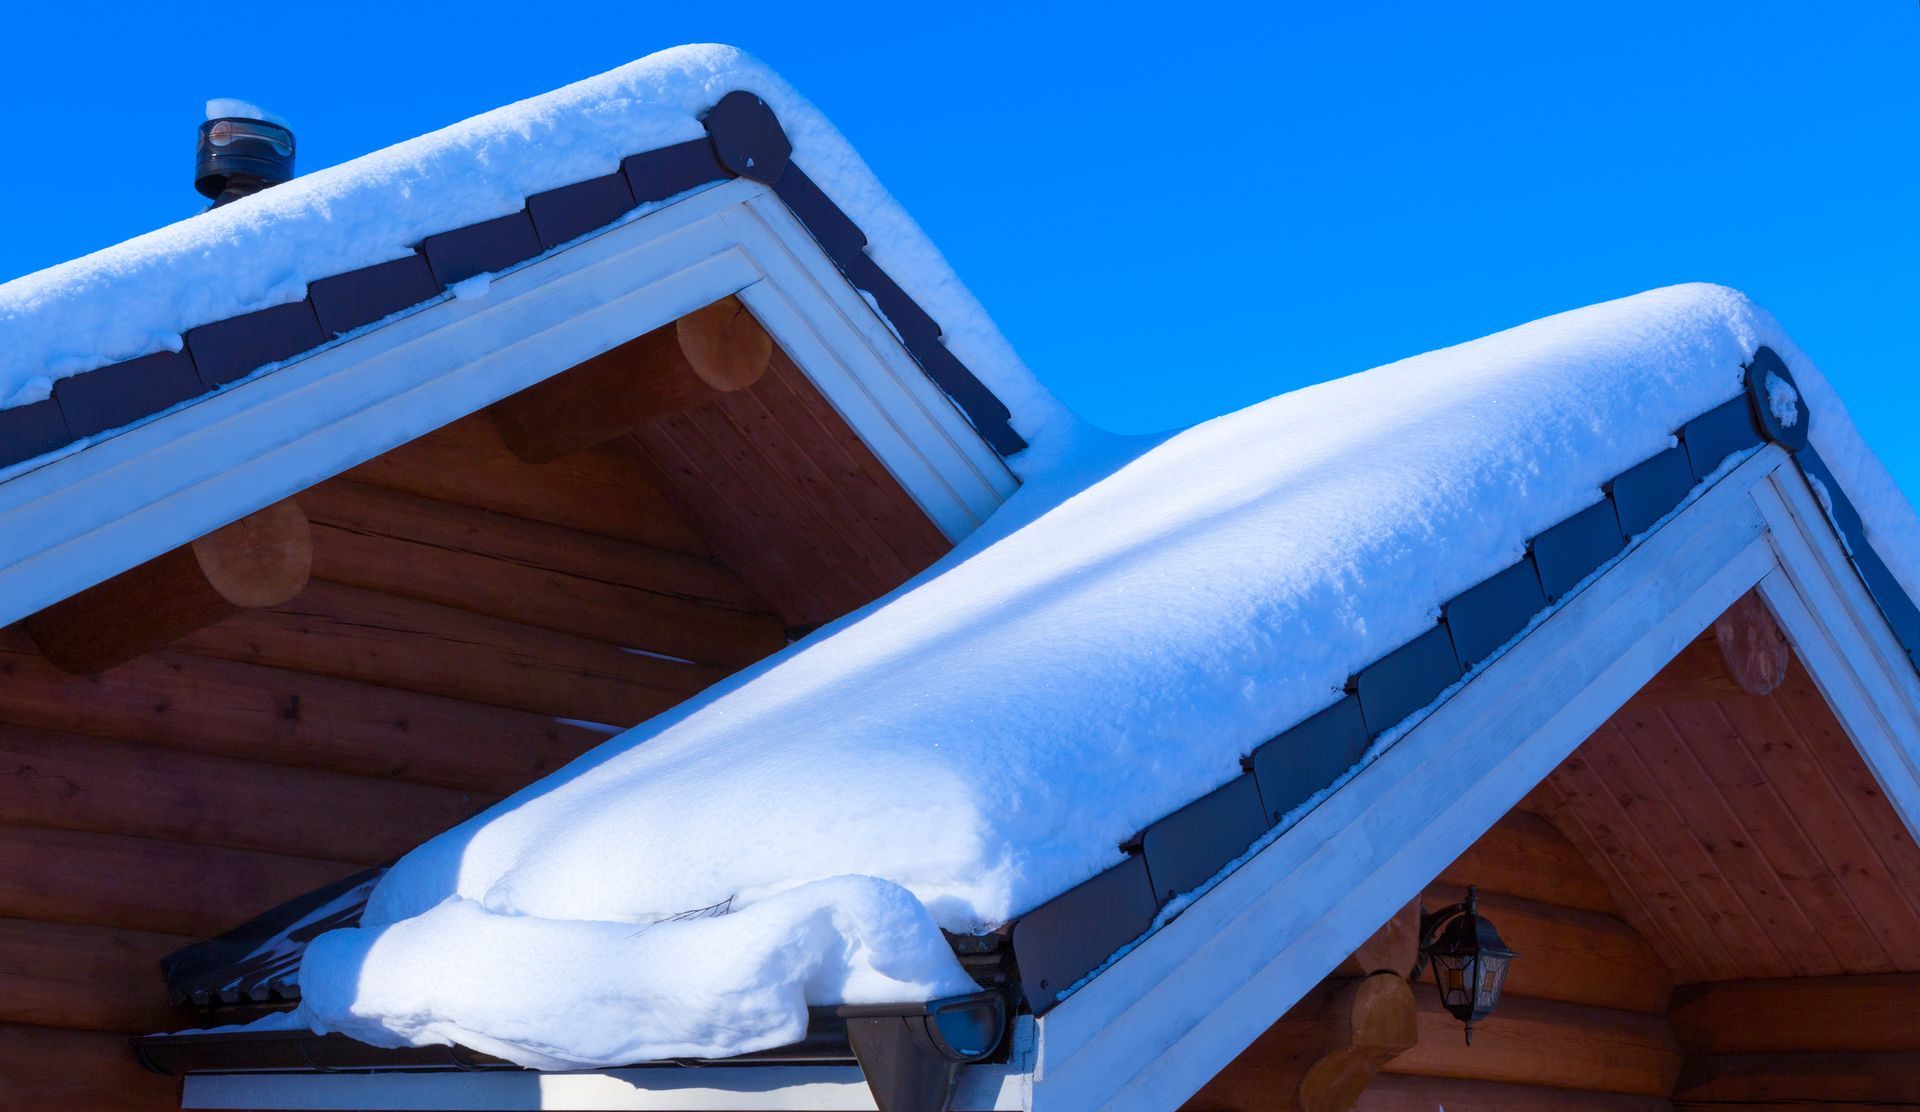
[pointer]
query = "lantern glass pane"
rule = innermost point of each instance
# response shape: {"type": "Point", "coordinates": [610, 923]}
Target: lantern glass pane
{"type": "Point", "coordinates": [1492, 977]}
{"type": "Point", "coordinates": [1455, 975]}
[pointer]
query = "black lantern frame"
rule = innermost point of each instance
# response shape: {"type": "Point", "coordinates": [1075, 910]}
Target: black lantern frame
{"type": "Point", "coordinates": [1469, 961]}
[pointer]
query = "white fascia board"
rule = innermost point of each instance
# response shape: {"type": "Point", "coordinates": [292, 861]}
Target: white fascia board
{"type": "Point", "coordinates": [1843, 639]}
{"type": "Point", "coordinates": [95, 513]}
{"type": "Point", "coordinates": [1153, 1028]}
{"type": "Point", "coordinates": [736, 1089]}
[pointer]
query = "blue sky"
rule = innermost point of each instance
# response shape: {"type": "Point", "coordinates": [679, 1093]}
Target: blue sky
{"type": "Point", "coordinates": [1169, 219]}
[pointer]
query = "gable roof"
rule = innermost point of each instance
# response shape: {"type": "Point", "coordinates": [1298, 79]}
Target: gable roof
{"type": "Point", "coordinates": [1095, 663]}
{"type": "Point", "coordinates": [160, 320]}
{"type": "Point", "coordinates": [1103, 656]}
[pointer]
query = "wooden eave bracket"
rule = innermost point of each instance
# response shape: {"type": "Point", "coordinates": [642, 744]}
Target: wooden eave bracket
{"type": "Point", "coordinates": [261, 560]}
{"type": "Point", "coordinates": [709, 352]}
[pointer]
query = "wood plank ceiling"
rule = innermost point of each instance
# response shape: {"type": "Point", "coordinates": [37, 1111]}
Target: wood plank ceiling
{"type": "Point", "coordinates": [1742, 834]}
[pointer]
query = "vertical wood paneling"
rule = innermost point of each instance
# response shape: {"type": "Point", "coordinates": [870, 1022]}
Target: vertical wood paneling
{"type": "Point", "coordinates": [1787, 859]}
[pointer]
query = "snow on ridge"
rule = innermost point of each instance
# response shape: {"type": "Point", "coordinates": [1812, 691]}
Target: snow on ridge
{"type": "Point", "coordinates": [1142, 613]}
{"type": "Point", "coordinates": [139, 296]}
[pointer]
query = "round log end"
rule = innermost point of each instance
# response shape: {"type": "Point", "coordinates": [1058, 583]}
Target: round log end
{"type": "Point", "coordinates": [262, 559]}
{"type": "Point", "coordinates": [724, 345]}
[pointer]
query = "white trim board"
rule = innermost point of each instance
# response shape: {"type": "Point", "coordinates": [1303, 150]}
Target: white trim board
{"type": "Point", "coordinates": [94, 513]}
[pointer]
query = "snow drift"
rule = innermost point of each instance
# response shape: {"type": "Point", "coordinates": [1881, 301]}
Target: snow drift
{"type": "Point", "coordinates": [1139, 616]}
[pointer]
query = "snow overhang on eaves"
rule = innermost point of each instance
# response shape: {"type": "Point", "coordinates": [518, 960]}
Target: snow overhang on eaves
{"type": "Point", "coordinates": [744, 140]}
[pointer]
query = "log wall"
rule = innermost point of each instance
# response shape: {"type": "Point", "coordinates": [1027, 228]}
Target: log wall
{"type": "Point", "coordinates": [462, 604]}
{"type": "Point", "coordinates": [1582, 1023]}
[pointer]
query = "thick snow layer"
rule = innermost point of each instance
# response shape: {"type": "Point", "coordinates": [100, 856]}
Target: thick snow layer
{"type": "Point", "coordinates": [140, 296]}
{"type": "Point", "coordinates": [1142, 613]}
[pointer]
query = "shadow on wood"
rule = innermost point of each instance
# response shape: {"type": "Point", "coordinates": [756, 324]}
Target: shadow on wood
{"type": "Point", "coordinates": [708, 352]}
{"type": "Point", "coordinates": [261, 560]}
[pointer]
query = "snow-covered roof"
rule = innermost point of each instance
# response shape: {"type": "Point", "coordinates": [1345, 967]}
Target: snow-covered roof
{"type": "Point", "coordinates": [1140, 617]}
{"type": "Point", "coordinates": [139, 299]}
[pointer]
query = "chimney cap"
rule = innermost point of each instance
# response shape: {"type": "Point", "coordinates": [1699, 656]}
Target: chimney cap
{"type": "Point", "coordinates": [238, 155]}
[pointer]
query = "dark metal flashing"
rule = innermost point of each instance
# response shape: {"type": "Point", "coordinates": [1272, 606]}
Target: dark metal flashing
{"type": "Point", "coordinates": [231, 349]}
{"type": "Point", "coordinates": [1649, 491]}
{"type": "Point", "coordinates": [1718, 433]}
{"type": "Point", "coordinates": [1575, 548]}
{"type": "Point", "coordinates": [671, 171]}
{"type": "Point", "coordinates": [565, 214]}
{"type": "Point", "coordinates": [125, 392]}
{"type": "Point", "coordinates": [481, 248]}
{"type": "Point", "coordinates": [1188, 847]}
{"type": "Point", "coordinates": [1406, 679]}
{"type": "Point", "coordinates": [258, 962]}
{"type": "Point", "coordinates": [744, 139]}
{"type": "Point", "coordinates": [1304, 760]}
{"type": "Point", "coordinates": [1789, 434]}
{"type": "Point", "coordinates": [748, 138]}
{"type": "Point", "coordinates": [1071, 935]}
{"type": "Point", "coordinates": [357, 298]}
{"type": "Point", "coordinates": [32, 430]}
{"type": "Point", "coordinates": [1486, 616]}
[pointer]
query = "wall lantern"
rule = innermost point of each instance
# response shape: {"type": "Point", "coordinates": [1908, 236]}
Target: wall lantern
{"type": "Point", "coordinates": [1469, 960]}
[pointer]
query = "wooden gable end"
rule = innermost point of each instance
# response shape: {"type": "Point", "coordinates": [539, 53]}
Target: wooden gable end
{"type": "Point", "coordinates": [470, 622]}
{"type": "Point", "coordinates": [1714, 904]}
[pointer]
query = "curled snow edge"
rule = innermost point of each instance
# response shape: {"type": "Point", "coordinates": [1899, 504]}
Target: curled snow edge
{"type": "Point", "coordinates": [560, 994]}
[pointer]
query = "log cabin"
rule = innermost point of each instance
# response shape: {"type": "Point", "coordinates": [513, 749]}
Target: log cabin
{"type": "Point", "coordinates": [449, 529]}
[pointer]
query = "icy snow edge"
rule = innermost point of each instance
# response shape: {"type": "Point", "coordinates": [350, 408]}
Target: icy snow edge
{"type": "Point", "coordinates": [1138, 617]}
{"type": "Point", "coordinates": [142, 295]}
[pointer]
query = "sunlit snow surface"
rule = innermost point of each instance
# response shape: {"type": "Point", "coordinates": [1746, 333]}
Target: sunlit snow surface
{"type": "Point", "coordinates": [1141, 614]}
{"type": "Point", "coordinates": [140, 296]}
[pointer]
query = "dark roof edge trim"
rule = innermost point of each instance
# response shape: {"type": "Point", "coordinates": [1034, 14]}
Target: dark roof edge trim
{"type": "Point", "coordinates": [744, 140]}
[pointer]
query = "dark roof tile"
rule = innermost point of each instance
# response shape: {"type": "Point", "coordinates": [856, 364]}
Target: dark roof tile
{"type": "Point", "coordinates": [1648, 491]}
{"type": "Point", "coordinates": [1575, 548]}
{"type": "Point", "coordinates": [1489, 614]}
{"type": "Point", "coordinates": [1074, 933]}
{"type": "Point", "coordinates": [1188, 847]}
{"type": "Point", "coordinates": [565, 214]}
{"type": "Point", "coordinates": [481, 248]}
{"type": "Point", "coordinates": [233, 348]}
{"type": "Point", "coordinates": [33, 430]}
{"type": "Point", "coordinates": [671, 171]}
{"type": "Point", "coordinates": [357, 298]}
{"type": "Point", "coordinates": [123, 393]}
{"type": "Point", "coordinates": [1718, 433]}
{"type": "Point", "coordinates": [1406, 679]}
{"type": "Point", "coordinates": [1307, 758]}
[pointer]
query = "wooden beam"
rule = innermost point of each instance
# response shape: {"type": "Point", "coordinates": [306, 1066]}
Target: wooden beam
{"type": "Point", "coordinates": [261, 560]}
{"type": "Point", "coordinates": [1392, 949]}
{"type": "Point", "coordinates": [1525, 855]}
{"type": "Point", "coordinates": [1567, 954]}
{"type": "Point", "coordinates": [1391, 1093]}
{"type": "Point", "coordinates": [1752, 645]}
{"type": "Point", "coordinates": [708, 352]}
{"type": "Point", "coordinates": [1323, 1053]}
{"type": "Point", "coordinates": [1548, 1044]}
{"type": "Point", "coordinates": [1803, 1080]}
{"type": "Point", "coordinates": [1872, 1012]}
{"type": "Point", "coordinates": [230, 709]}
